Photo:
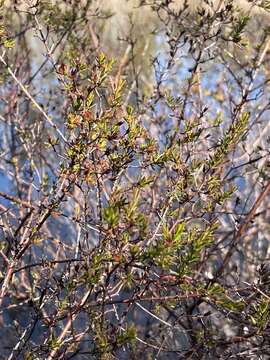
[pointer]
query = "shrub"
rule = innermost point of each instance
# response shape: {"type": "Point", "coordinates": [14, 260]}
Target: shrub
{"type": "Point", "coordinates": [134, 182]}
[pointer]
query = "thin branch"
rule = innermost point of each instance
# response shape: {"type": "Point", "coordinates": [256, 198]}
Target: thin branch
{"type": "Point", "coordinates": [30, 97]}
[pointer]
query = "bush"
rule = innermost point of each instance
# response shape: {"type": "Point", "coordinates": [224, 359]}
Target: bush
{"type": "Point", "coordinates": [134, 181]}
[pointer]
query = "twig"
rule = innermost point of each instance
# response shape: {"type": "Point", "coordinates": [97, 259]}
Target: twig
{"type": "Point", "coordinates": [30, 97]}
{"type": "Point", "coordinates": [17, 201]}
{"type": "Point", "coordinates": [242, 229]}
{"type": "Point", "coordinates": [68, 325]}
